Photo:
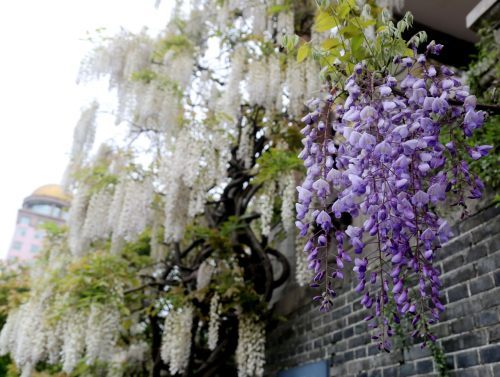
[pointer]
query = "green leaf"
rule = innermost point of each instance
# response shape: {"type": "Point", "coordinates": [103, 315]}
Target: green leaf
{"type": "Point", "coordinates": [324, 22]}
{"type": "Point", "coordinates": [304, 52]}
{"type": "Point", "coordinates": [343, 10]}
{"type": "Point", "coordinates": [351, 31]}
{"type": "Point", "coordinates": [381, 29]}
{"type": "Point", "coordinates": [366, 22]}
{"type": "Point", "coordinates": [352, 4]}
{"type": "Point", "coordinates": [346, 57]}
{"type": "Point", "coordinates": [358, 50]}
{"type": "Point", "coordinates": [330, 43]}
{"type": "Point", "coordinates": [407, 52]}
{"type": "Point", "coordinates": [293, 41]}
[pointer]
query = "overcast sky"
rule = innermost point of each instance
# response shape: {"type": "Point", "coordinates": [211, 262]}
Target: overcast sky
{"type": "Point", "coordinates": [41, 44]}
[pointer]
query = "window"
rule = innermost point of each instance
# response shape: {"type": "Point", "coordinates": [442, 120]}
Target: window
{"type": "Point", "coordinates": [56, 212]}
{"type": "Point", "coordinates": [35, 248]}
{"type": "Point", "coordinates": [16, 245]}
{"type": "Point", "coordinates": [24, 220]}
{"type": "Point", "coordinates": [39, 234]}
{"type": "Point", "coordinates": [21, 232]}
{"type": "Point", "coordinates": [43, 209]}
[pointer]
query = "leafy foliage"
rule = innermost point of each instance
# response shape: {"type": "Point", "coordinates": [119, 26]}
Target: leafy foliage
{"type": "Point", "coordinates": [488, 167]}
{"type": "Point", "coordinates": [99, 278]}
{"type": "Point", "coordinates": [483, 76]}
{"type": "Point", "coordinates": [173, 43]}
{"type": "Point", "coordinates": [483, 73]}
{"type": "Point", "coordinates": [275, 163]}
{"type": "Point", "coordinates": [440, 359]}
{"type": "Point", "coordinates": [339, 54]}
{"type": "Point", "coordinates": [14, 287]}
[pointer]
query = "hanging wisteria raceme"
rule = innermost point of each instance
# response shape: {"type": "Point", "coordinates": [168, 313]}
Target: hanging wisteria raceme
{"type": "Point", "coordinates": [76, 220]}
{"type": "Point", "coordinates": [124, 213]}
{"type": "Point", "coordinates": [264, 84]}
{"type": "Point", "coordinates": [134, 354]}
{"type": "Point", "coordinates": [101, 333]}
{"type": "Point", "coordinates": [303, 274]}
{"type": "Point", "coordinates": [231, 100]}
{"type": "Point", "coordinates": [96, 225]}
{"type": "Point", "coordinates": [177, 192]}
{"type": "Point", "coordinates": [21, 334]}
{"type": "Point", "coordinates": [83, 141]}
{"type": "Point", "coordinates": [402, 151]}
{"type": "Point", "coordinates": [297, 87]}
{"type": "Point", "coordinates": [274, 88]}
{"type": "Point", "coordinates": [287, 204]}
{"type": "Point", "coordinates": [246, 145]}
{"type": "Point", "coordinates": [214, 322]}
{"type": "Point", "coordinates": [313, 82]}
{"type": "Point", "coordinates": [250, 353]}
{"type": "Point", "coordinates": [285, 22]}
{"type": "Point", "coordinates": [122, 55]}
{"type": "Point", "coordinates": [266, 208]}
{"type": "Point", "coordinates": [73, 348]}
{"type": "Point", "coordinates": [116, 205]}
{"type": "Point", "coordinates": [7, 336]}
{"type": "Point", "coordinates": [257, 73]}
{"type": "Point", "coordinates": [176, 342]}
{"type": "Point", "coordinates": [55, 339]}
{"type": "Point", "coordinates": [137, 351]}
{"type": "Point", "coordinates": [156, 246]}
{"type": "Point", "coordinates": [134, 212]}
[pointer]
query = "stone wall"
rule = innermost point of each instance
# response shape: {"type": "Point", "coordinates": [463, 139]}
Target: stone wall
{"type": "Point", "coordinates": [469, 330]}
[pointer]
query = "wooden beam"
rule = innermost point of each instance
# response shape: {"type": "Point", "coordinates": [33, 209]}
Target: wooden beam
{"type": "Point", "coordinates": [479, 11]}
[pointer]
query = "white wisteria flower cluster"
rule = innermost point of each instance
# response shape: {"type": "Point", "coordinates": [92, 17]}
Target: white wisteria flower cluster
{"type": "Point", "coordinates": [176, 342]}
{"type": "Point", "coordinates": [83, 141]}
{"type": "Point", "coordinates": [30, 336]}
{"type": "Point", "coordinates": [214, 322]}
{"type": "Point", "coordinates": [160, 81]}
{"type": "Point", "coordinates": [122, 210]}
{"type": "Point", "coordinates": [303, 274]}
{"type": "Point", "coordinates": [287, 204]}
{"type": "Point", "coordinates": [250, 352]}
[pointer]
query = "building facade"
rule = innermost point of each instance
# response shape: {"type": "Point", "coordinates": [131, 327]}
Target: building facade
{"type": "Point", "coordinates": [47, 203]}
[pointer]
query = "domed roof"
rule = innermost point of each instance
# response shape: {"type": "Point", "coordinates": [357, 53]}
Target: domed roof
{"type": "Point", "coordinates": [52, 191]}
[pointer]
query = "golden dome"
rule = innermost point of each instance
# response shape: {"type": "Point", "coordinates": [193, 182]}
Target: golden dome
{"type": "Point", "coordinates": [52, 191]}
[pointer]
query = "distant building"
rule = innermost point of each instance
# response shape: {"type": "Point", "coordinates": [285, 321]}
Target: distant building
{"type": "Point", "coordinates": [48, 203]}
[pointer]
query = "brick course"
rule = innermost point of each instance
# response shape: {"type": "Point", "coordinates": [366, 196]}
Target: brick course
{"type": "Point", "coordinates": [469, 330]}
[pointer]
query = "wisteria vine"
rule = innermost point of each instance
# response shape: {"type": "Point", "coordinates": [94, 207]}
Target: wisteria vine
{"type": "Point", "coordinates": [387, 151]}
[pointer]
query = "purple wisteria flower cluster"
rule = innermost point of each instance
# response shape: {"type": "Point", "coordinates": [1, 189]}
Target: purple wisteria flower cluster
{"type": "Point", "coordinates": [391, 152]}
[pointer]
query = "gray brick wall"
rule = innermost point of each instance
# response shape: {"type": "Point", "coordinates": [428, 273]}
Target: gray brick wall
{"type": "Point", "coordinates": [469, 330]}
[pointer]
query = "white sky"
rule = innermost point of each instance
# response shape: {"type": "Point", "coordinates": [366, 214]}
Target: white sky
{"type": "Point", "coordinates": [41, 44]}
